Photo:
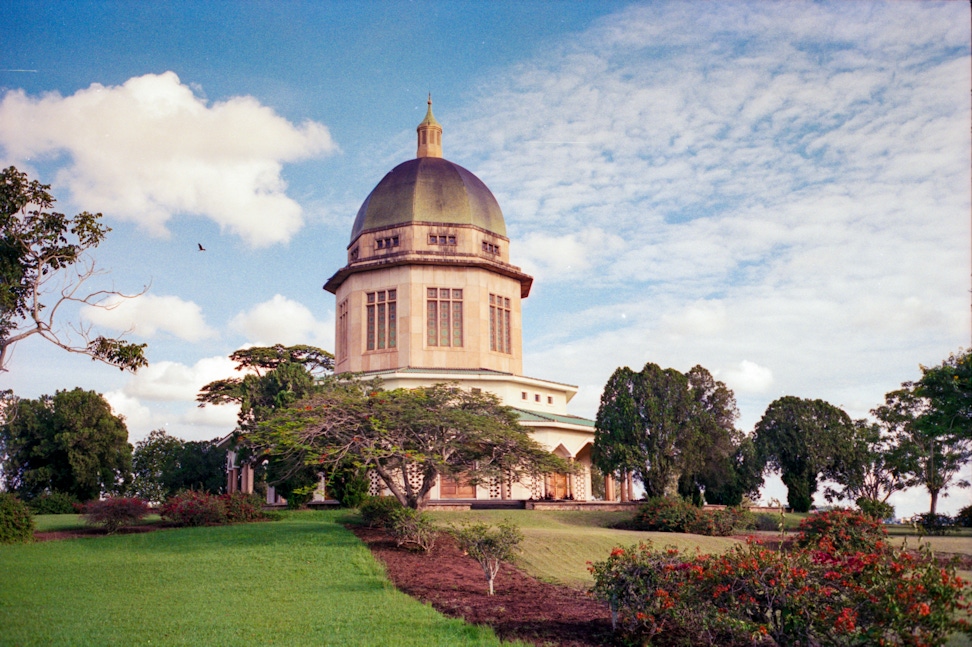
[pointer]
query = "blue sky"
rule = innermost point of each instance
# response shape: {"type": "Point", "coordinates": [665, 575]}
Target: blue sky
{"type": "Point", "coordinates": [777, 191]}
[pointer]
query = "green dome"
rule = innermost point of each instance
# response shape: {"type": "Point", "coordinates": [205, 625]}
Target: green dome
{"type": "Point", "coordinates": [429, 190]}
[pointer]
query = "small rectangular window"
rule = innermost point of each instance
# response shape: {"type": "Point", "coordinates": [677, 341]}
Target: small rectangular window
{"type": "Point", "coordinates": [523, 394]}
{"type": "Point", "coordinates": [536, 397]}
{"type": "Point", "coordinates": [549, 399]}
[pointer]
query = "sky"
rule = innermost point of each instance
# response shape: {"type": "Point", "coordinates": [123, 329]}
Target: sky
{"type": "Point", "coordinates": [779, 192]}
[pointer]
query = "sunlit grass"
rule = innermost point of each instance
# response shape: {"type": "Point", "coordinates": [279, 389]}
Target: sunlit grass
{"type": "Point", "coordinates": [558, 544]}
{"type": "Point", "coordinates": [304, 580]}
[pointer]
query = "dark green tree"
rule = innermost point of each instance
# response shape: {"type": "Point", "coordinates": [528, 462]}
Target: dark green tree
{"type": "Point", "coordinates": [651, 423]}
{"type": "Point", "coordinates": [804, 440]}
{"type": "Point", "coordinates": [722, 464]}
{"type": "Point", "coordinates": [200, 465]}
{"type": "Point", "coordinates": [70, 442]}
{"type": "Point", "coordinates": [38, 247]}
{"type": "Point", "coordinates": [164, 465]}
{"type": "Point", "coordinates": [409, 437]}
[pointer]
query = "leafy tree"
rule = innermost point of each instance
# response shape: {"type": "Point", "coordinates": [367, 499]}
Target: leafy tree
{"type": "Point", "coordinates": [38, 247]}
{"type": "Point", "coordinates": [163, 465]}
{"type": "Point", "coordinates": [927, 451]}
{"type": "Point", "coordinates": [804, 440]}
{"type": "Point", "coordinates": [724, 465]}
{"type": "Point", "coordinates": [280, 375]}
{"type": "Point", "coordinates": [152, 462]}
{"type": "Point", "coordinates": [651, 423]}
{"type": "Point", "coordinates": [874, 471]}
{"type": "Point", "coordinates": [70, 442]}
{"type": "Point", "coordinates": [489, 546]}
{"type": "Point", "coordinates": [409, 437]}
{"type": "Point", "coordinates": [947, 389]}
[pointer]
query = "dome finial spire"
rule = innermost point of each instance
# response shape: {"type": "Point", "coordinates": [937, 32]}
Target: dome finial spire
{"type": "Point", "coordinates": [429, 135]}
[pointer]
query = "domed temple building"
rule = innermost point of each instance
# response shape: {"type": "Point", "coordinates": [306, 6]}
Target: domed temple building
{"type": "Point", "coordinates": [429, 295]}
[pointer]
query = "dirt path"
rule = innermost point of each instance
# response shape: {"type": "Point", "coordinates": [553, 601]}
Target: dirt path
{"type": "Point", "coordinates": [522, 608]}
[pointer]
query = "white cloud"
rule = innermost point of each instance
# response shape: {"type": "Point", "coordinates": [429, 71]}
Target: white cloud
{"type": "Point", "coordinates": [172, 381]}
{"type": "Point", "coordinates": [147, 315]}
{"type": "Point", "coordinates": [783, 185]}
{"type": "Point", "coordinates": [749, 377]}
{"type": "Point", "coordinates": [150, 149]}
{"type": "Point", "coordinates": [282, 321]}
{"type": "Point", "coordinates": [137, 415]}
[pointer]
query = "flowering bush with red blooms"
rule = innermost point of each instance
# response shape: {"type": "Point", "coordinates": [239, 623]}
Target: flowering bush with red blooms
{"type": "Point", "coordinates": [115, 512]}
{"type": "Point", "coordinates": [840, 531]}
{"type": "Point", "coordinates": [189, 508]}
{"type": "Point", "coordinates": [241, 507]}
{"type": "Point", "coordinates": [752, 595]}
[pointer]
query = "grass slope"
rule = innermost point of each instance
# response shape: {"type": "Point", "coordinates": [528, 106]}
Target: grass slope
{"type": "Point", "coordinates": [558, 544]}
{"type": "Point", "coordinates": [302, 581]}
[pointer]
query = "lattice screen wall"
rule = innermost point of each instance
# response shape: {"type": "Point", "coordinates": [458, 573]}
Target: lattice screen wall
{"type": "Point", "coordinates": [377, 485]}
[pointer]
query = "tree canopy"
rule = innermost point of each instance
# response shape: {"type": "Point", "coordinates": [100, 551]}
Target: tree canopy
{"type": "Point", "coordinates": [163, 465]}
{"type": "Point", "coordinates": [673, 431]}
{"type": "Point", "coordinates": [926, 449]}
{"type": "Point", "coordinates": [804, 440]}
{"type": "Point", "coordinates": [70, 442]}
{"type": "Point", "coordinates": [409, 437]}
{"type": "Point", "coordinates": [280, 375]}
{"type": "Point", "coordinates": [37, 248]}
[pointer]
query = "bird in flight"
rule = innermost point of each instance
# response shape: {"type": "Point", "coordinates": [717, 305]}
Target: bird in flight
{"type": "Point", "coordinates": [201, 248]}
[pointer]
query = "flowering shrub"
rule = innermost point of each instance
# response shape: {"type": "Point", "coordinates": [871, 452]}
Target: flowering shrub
{"type": "Point", "coordinates": [115, 512]}
{"type": "Point", "coordinates": [189, 508]}
{"type": "Point", "coordinates": [840, 531]}
{"type": "Point", "coordinates": [241, 507]}
{"type": "Point", "coordinates": [413, 527]}
{"type": "Point", "coordinates": [675, 515]}
{"type": "Point", "coordinates": [16, 524]}
{"type": "Point", "coordinates": [802, 597]}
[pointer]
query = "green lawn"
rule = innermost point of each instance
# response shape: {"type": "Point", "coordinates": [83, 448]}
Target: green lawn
{"type": "Point", "coordinates": [304, 580]}
{"type": "Point", "coordinates": [558, 544]}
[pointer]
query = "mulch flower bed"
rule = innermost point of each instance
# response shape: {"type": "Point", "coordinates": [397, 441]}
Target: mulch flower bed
{"type": "Point", "coordinates": [522, 608]}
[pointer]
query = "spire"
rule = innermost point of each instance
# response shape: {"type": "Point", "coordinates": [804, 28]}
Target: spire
{"type": "Point", "coordinates": [429, 135]}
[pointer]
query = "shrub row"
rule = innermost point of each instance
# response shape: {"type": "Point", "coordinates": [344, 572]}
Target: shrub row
{"type": "Point", "coordinates": [409, 527]}
{"type": "Point", "coordinates": [54, 503]}
{"type": "Point", "coordinates": [190, 508]}
{"type": "Point", "coordinates": [677, 515]}
{"type": "Point", "coordinates": [842, 586]}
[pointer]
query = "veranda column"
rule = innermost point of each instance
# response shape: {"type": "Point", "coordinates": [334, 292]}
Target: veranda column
{"type": "Point", "coordinates": [609, 488]}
